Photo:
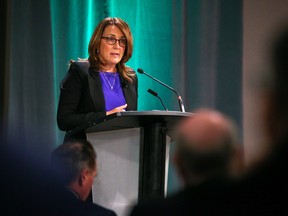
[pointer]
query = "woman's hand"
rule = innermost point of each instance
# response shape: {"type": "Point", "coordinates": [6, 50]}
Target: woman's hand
{"type": "Point", "coordinates": [117, 109]}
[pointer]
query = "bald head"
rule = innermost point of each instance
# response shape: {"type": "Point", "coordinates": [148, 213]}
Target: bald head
{"type": "Point", "coordinates": [206, 130]}
{"type": "Point", "coordinates": [205, 144]}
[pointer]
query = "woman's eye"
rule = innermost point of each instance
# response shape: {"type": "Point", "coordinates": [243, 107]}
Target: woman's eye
{"type": "Point", "coordinates": [111, 39]}
{"type": "Point", "coordinates": [123, 41]}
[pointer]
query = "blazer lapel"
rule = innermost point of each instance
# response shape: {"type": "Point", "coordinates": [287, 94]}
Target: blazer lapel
{"type": "Point", "coordinates": [129, 94]}
{"type": "Point", "coordinates": [95, 88]}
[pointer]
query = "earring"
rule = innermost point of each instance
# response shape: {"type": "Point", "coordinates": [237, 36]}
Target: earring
{"type": "Point", "coordinates": [97, 51]}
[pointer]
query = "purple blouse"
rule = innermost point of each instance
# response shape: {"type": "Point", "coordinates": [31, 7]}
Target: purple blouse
{"type": "Point", "coordinates": [112, 90]}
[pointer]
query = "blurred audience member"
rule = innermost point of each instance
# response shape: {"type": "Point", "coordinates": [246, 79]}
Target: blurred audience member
{"type": "Point", "coordinates": [206, 145]}
{"type": "Point", "coordinates": [24, 181]}
{"type": "Point", "coordinates": [74, 163]}
{"type": "Point", "coordinates": [264, 189]}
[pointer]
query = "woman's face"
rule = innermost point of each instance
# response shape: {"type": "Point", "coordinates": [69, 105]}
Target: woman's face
{"type": "Point", "coordinates": [110, 54]}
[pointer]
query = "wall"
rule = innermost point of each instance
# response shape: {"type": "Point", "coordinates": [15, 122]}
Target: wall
{"type": "Point", "coordinates": [260, 19]}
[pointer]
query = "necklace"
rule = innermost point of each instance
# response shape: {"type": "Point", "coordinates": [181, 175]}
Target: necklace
{"type": "Point", "coordinates": [111, 85]}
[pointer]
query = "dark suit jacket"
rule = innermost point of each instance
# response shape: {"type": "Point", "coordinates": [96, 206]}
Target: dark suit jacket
{"type": "Point", "coordinates": [82, 98]}
{"type": "Point", "coordinates": [209, 198]}
{"type": "Point", "coordinates": [64, 202]}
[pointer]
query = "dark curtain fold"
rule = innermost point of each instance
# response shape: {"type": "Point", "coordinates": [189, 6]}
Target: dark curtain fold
{"type": "Point", "coordinates": [3, 41]}
{"type": "Point", "coordinates": [207, 58]}
{"type": "Point", "coordinates": [31, 120]}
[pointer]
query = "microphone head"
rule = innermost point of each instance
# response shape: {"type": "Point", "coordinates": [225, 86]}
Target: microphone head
{"type": "Point", "coordinates": [152, 92]}
{"type": "Point", "coordinates": [140, 70]}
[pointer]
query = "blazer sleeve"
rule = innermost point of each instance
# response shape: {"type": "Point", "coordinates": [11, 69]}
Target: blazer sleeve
{"type": "Point", "coordinates": [71, 93]}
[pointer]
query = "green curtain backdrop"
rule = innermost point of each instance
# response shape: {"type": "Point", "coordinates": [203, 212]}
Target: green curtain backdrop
{"type": "Point", "coordinates": [193, 46]}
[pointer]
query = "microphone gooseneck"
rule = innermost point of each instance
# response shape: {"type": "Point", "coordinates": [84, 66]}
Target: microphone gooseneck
{"type": "Point", "coordinates": [180, 101]}
{"type": "Point", "coordinates": [156, 95]}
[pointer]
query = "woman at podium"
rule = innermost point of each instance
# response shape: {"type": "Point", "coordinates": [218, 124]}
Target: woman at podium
{"type": "Point", "coordinates": [101, 84]}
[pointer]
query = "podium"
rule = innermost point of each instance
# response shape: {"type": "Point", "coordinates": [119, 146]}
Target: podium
{"type": "Point", "coordinates": [132, 156]}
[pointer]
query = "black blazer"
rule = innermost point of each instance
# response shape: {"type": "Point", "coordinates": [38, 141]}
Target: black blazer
{"type": "Point", "coordinates": [82, 98]}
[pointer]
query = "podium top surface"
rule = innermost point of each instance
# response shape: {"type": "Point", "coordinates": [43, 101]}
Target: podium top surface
{"type": "Point", "coordinates": [133, 119]}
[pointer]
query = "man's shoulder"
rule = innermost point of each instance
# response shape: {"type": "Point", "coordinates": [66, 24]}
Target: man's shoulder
{"type": "Point", "coordinates": [99, 210]}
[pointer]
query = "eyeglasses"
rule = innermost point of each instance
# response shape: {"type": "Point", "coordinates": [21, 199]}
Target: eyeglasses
{"type": "Point", "coordinates": [113, 40]}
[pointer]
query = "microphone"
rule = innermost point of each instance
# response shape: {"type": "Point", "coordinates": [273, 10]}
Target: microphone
{"type": "Point", "coordinates": [180, 101]}
{"type": "Point", "coordinates": [156, 95]}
